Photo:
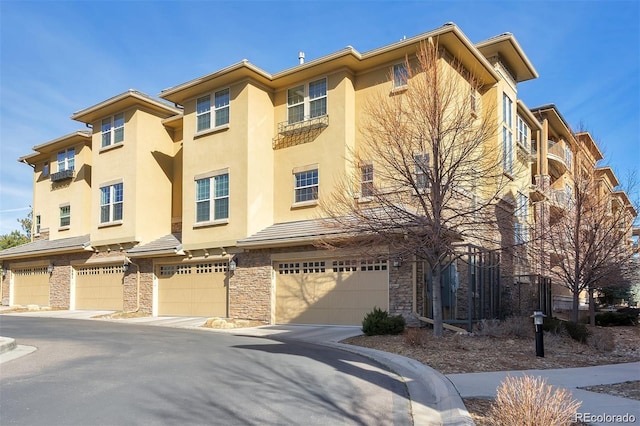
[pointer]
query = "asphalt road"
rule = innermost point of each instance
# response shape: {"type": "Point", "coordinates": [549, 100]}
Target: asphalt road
{"type": "Point", "coordinates": [99, 373]}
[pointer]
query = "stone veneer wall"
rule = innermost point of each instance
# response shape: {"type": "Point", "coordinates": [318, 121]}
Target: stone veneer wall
{"type": "Point", "coordinates": [250, 287]}
{"type": "Point", "coordinates": [130, 303]}
{"type": "Point", "coordinates": [401, 291]}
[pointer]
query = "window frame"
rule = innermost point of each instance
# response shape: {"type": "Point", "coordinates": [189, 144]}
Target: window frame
{"type": "Point", "coordinates": [214, 111]}
{"type": "Point", "coordinates": [307, 101]}
{"type": "Point", "coordinates": [37, 224]}
{"type": "Point", "coordinates": [65, 216]}
{"type": "Point", "coordinates": [400, 75]}
{"type": "Point", "coordinates": [114, 131]}
{"type": "Point", "coordinates": [300, 189]}
{"type": "Point", "coordinates": [507, 134]}
{"type": "Point", "coordinates": [68, 163]}
{"type": "Point", "coordinates": [524, 132]}
{"type": "Point", "coordinates": [113, 206]}
{"type": "Point", "coordinates": [213, 199]}
{"type": "Point", "coordinates": [421, 171]}
{"type": "Point", "coordinates": [45, 169]}
{"type": "Point", "coordinates": [366, 181]}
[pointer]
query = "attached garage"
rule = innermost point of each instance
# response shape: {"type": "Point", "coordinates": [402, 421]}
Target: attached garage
{"type": "Point", "coordinates": [196, 289]}
{"type": "Point", "coordinates": [100, 287]}
{"type": "Point", "coordinates": [31, 286]}
{"type": "Point", "coordinates": [336, 292]}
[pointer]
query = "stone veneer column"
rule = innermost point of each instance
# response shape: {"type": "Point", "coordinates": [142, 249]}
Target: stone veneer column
{"type": "Point", "coordinates": [250, 287]}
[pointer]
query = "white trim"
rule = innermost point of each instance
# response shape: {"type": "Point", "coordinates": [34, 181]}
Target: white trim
{"type": "Point", "coordinates": [72, 289]}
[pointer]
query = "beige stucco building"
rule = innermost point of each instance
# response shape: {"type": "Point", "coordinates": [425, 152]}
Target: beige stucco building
{"type": "Point", "coordinates": [206, 201]}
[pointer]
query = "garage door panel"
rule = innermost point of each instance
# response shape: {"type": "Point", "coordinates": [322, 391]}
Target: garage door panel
{"type": "Point", "coordinates": [100, 287]}
{"type": "Point", "coordinates": [325, 292]}
{"type": "Point", "coordinates": [198, 289]}
{"type": "Point", "coordinates": [31, 286]}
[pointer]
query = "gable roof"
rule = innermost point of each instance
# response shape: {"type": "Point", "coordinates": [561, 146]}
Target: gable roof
{"type": "Point", "coordinates": [168, 245]}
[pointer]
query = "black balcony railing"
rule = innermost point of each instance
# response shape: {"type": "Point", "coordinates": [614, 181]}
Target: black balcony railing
{"type": "Point", "coordinates": [62, 175]}
{"type": "Point", "coordinates": [308, 124]}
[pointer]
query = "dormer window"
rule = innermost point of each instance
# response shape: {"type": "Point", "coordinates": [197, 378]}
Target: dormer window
{"type": "Point", "coordinates": [113, 130]}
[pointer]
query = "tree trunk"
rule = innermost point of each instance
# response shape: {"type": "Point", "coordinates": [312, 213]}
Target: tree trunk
{"type": "Point", "coordinates": [436, 293]}
{"type": "Point", "coordinates": [576, 306]}
{"type": "Point", "coordinates": [592, 308]}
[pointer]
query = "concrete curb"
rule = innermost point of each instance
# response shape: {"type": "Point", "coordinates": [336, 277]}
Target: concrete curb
{"type": "Point", "coordinates": [7, 344]}
{"type": "Point", "coordinates": [434, 399]}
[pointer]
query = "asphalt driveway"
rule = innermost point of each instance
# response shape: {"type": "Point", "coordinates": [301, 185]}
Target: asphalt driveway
{"type": "Point", "coordinates": [102, 373]}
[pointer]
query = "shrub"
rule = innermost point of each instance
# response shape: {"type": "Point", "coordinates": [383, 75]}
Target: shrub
{"type": "Point", "coordinates": [552, 325]}
{"type": "Point", "coordinates": [379, 322]}
{"type": "Point", "coordinates": [602, 340]}
{"type": "Point", "coordinates": [415, 336]}
{"type": "Point", "coordinates": [577, 331]}
{"type": "Point", "coordinates": [529, 401]}
{"type": "Point", "coordinates": [510, 327]}
{"type": "Point", "coordinates": [627, 316]}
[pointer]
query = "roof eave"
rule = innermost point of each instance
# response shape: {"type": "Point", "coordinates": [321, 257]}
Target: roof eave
{"type": "Point", "coordinates": [93, 113]}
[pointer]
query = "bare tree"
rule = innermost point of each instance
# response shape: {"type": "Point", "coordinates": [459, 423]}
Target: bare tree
{"type": "Point", "coordinates": [590, 241]}
{"type": "Point", "coordinates": [427, 174]}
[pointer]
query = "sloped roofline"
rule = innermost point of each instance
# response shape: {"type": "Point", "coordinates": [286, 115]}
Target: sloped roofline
{"type": "Point", "coordinates": [173, 93]}
{"type": "Point", "coordinates": [89, 114]}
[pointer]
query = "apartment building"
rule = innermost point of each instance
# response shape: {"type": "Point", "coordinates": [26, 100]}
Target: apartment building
{"type": "Point", "coordinates": [566, 173]}
{"type": "Point", "coordinates": [206, 202]}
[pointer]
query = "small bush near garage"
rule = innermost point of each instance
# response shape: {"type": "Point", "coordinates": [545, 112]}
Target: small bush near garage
{"type": "Point", "coordinates": [623, 317]}
{"type": "Point", "coordinates": [379, 321]}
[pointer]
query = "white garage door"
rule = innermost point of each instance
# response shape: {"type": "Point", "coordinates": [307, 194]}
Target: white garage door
{"type": "Point", "coordinates": [198, 289]}
{"type": "Point", "coordinates": [100, 287]}
{"type": "Point", "coordinates": [339, 292]}
{"type": "Point", "coordinates": [31, 286]}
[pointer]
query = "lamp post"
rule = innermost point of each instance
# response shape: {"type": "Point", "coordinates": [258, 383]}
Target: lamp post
{"type": "Point", "coordinates": [538, 317]}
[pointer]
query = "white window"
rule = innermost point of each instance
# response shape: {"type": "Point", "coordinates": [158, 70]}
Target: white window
{"type": "Point", "coordinates": [568, 156]}
{"type": "Point", "coordinates": [307, 101]}
{"type": "Point", "coordinates": [220, 110]}
{"type": "Point", "coordinates": [522, 207]}
{"type": "Point", "coordinates": [38, 224]}
{"type": "Point", "coordinates": [568, 193]}
{"type": "Point", "coordinates": [507, 134]}
{"type": "Point", "coordinates": [523, 133]}
{"type": "Point", "coordinates": [212, 192]}
{"type": "Point", "coordinates": [45, 169]}
{"type": "Point", "coordinates": [66, 160]}
{"type": "Point", "coordinates": [111, 203]}
{"type": "Point", "coordinates": [421, 173]}
{"type": "Point", "coordinates": [65, 216]}
{"type": "Point", "coordinates": [400, 76]}
{"type": "Point", "coordinates": [366, 181]}
{"type": "Point", "coordinates": [306, 186]}
{"type": "Point", "coordinates": [113, 130]}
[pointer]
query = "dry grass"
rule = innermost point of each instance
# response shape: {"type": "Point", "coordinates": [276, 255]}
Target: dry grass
{"type": "Point", "coordinates": [475, 353]}
{"type": "Point", "coordinates": [529, 401]}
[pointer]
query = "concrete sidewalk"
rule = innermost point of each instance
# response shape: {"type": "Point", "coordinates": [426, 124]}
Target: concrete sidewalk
{"type": "Point", "coordinates": [484, 385]}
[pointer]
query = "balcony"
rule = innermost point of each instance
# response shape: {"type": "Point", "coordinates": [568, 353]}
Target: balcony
{"type": "Point", "coordinates": [290, 134]}
{"type": "Point", "coordinates": [62, 175]}
{"type": "Point", "coordinates": [308, 124]}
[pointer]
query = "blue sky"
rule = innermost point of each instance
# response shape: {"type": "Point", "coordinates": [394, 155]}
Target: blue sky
{"type": "Point", "coordinates": [59, 57]}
